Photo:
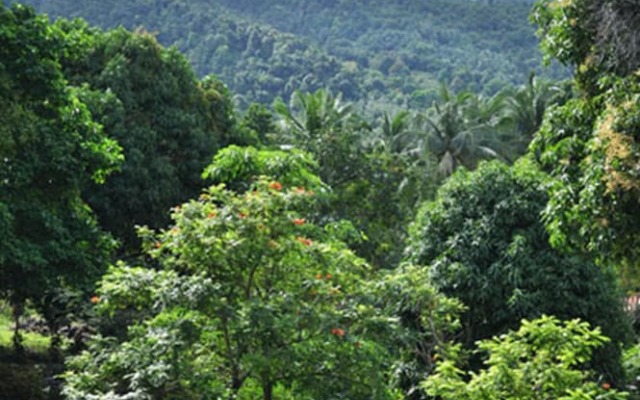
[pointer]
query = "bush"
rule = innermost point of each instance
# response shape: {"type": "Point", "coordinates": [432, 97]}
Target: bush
{"type": "Point", "coordinates": [539, 361]}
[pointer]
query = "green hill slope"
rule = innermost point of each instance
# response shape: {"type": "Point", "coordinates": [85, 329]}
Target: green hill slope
{"type": "Point", "coordinates": [376, 52]}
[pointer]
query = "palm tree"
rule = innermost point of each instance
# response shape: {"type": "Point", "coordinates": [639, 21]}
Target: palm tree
{"type": "Point", "coordinates": [393, 136]}
{"type": "Point", "coordinates": [308, 115]}
{"type": "Point", "coordinates": [461, 129]}
{"type": "Point", "coordinates": [527, 104]}
{"type": "Point", "coordinates": [324, 126]}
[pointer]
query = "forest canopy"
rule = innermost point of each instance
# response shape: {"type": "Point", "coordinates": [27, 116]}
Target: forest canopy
{"type": "Point", "coordinates": [388, 200]}
{"type": "Point", "coordinates": [376, 53]}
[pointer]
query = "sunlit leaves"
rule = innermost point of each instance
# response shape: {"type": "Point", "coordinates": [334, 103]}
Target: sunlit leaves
{"type": "Point", "coordinates": [590, 147]}
{"type": "Point", "coordinates": [542, 359]}
{"type": "Point", "coordinates": [248, 288]}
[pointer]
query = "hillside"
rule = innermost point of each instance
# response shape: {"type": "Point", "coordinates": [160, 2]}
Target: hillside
{"type": "Point", "coordinates": [160, 243]}
{"type": "Point", "coordinates": [372, 51]}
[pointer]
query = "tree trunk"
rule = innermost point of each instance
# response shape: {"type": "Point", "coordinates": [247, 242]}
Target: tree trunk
{"type": "Point", "coordinates": [54, 346]}
{"type": "Point", "coordinates": [18, 309]}
{"type": "Point", "coordinates": [267, 391]}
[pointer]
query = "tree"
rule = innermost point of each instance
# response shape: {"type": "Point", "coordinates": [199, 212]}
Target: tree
{"type": "Point", "coordinates": [365, 181]}
{"type": "Point", "coordinates": [598, 35]}
{"type": "Point", "coordinates": [321, 124]}
{"type": "Point", "coordinates": [541, 360]}
{"type": "Point", "coordinates": [591, 152]}
{"type": "Point", "coordinates": [590, 144]}
{"type": "Point", "coordinates": [483, 243]}
{"type": "Point", "coordinates": [428, 321]}
{"type": "Point", "coordinates": [51, 150]}
{"type": "Point", "coordinates": [393, 134]}
{"type": "Point", "coordinates": [259, 121]}
{"type": "Point", "coordinates": [168, 123]}
{"type": "Point", "coordinates": [240, 167]}
{"type": "Point", "coordinates": [251, 301]}
{"type": "Point", "coordinates": [527, 104]}
{"type": "Point", "coordinates": [460, 130]}
{"type": "Point", "coordinates": [394, 180]}
{"type": "Point", "coordinates": [396, 145]}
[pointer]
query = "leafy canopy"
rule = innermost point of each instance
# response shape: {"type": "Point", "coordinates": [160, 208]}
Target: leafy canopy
{"type": "Point", "coordinates": [483, 243]}
{"type": "Point", "coordinates": [50, 151]}
{"type": "Point", "coordinates": [590, 145]}
{"type": "Point", "coordinates": [541, 360]}
{"type": "Point", "coordinates": [167, 121]}
{"type": "Point", "coordinates": [251, 300]}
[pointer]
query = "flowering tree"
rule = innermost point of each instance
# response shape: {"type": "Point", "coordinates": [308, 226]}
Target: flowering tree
{"type": "Point", "coordinates": [251, 301]}
{"type": "Point", "coordinates": [590, 146]}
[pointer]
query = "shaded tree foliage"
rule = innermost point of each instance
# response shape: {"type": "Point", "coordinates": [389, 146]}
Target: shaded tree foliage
{"type": "Point", "coordinates": [50, 151]}
{"type": "Point", "coordinates": [483, 243]}
{"type": "Point", "coordinates": [371, 186]}
{"type": "Point", "coordinates": [168, 123]}
{"type": "Point", "coordinates": [461, 129]}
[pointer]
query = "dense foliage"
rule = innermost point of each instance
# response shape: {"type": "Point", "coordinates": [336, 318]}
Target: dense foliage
{"type": "Point", "coordinates": [168, 123]}
{"type": "Point", "coordinates": [377, 52]}
{"type": "Point", "coordinates": [590, 145]}
{"type": "Point", "coordinates": [238, 168]}
{"type": "Point", "coordinates": [541, 360]}
{"type": "Point", "coordinates": [285, 278]}
{"type": "Point", "coordinates": [483, 243]}
{"type": "Point", "coordinates": [252, 300]}
{"type": "Point", "coordinates": [50, 151]}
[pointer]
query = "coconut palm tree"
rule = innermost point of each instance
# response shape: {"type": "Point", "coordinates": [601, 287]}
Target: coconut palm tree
{"type": "Point", "coordinates": [308, 115]}
{"type": "Point", "coordinates": [321, 124]}
{"type": "Point", "coordinates": [393, 136]}
{"type": "Point", "coordinates": [526, 105]}
{"type": "Point", "coordinates": [461, 129]}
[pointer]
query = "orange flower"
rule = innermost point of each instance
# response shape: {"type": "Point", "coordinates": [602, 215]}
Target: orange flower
{"type": "Point", "coordinates": [304, 241]}
{"type": "Point", "coordinates": [242, 215]}
{"type": "Point", "coordinates": [275, 186]}
{"type": "Point", "coordinates": [328, 276]}
{"type": "Point", "coordinates": [298, 221]}
{"type": "Point", "coordinates": [318, 276]}
{"type": "Point", "coordinates": [337, 332]}
{"type": "Point", "coordinates": [211, 214]}
{"type": "Point", "coordinates": [158, 245]}
{"type": "Point", "coordinates": [606, 386]}
{"type": "Point", "coordinates": [95, 299]}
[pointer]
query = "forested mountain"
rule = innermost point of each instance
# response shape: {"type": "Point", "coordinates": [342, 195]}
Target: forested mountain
{"type": "Point", "coordinates": [375, 52]}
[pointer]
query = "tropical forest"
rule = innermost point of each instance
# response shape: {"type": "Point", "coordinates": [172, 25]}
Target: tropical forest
{"type": "Point", "coordinates": [320, 200]}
